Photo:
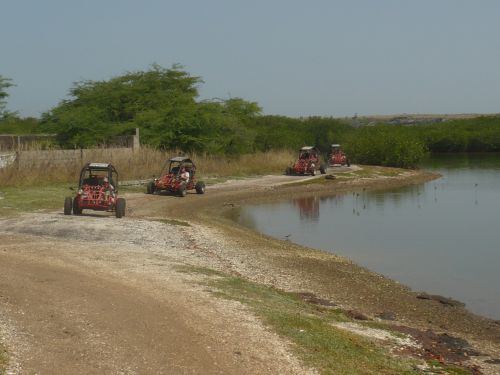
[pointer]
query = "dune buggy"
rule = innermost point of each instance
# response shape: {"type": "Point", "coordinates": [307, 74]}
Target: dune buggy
{"type": "Point", "coordinates": [177, 177]}
{"type": "Point", "coordinates": [337, 157]}
{"type": "Point", "coordinates": [97, 190]}
{"type": "Point", "coordinates": [308, 162]}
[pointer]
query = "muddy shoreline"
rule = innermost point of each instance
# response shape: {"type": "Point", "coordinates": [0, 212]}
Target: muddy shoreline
{"type": "Point", "coordinates": [295, 268]}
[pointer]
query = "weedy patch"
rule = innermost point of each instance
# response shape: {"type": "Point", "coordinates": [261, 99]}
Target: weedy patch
{"type": "Point", "coordinates": [29, 199]}
{"type": "Point", "coordinates": [316, 181]}
{"type": "Point", "coordinates": [309, 326]}
{"type": "Point", "coordinates": [437, 367]}
{"type": "Point", "coordinates": [317, 328]}
{"type": "Point", "coordinates": [199, 270]}
{"type": "Point", "coordinates": [132, 188]}
{"type": "Point", "coordinates": [4, 360]}
{"type": "Point", "coordinates": [372, 171]}
{"type": "Point", "coordinates": [364, 172]}
{"type": "Point", "coordinates": [17, 199]}
{"type": "Point", "coordinates": [174, 222]}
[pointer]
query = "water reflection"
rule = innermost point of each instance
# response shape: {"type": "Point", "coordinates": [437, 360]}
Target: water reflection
{"type": "Point", "coordinates": [441, 237]}
{"type": "Point", "coordinates": [308, 208]}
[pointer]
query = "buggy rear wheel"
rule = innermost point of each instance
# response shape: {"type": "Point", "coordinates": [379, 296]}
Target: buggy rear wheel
{"type": "Point", "coordinates": [120, 208]}
{"type": "Point", "coordinates": [77, 210]}
{"type": "Point", "coordinates": [150, 188]}
{"type": "Point", "coordinates": [68, 205]}
{"type": "Point", "coordinates": [200, 187]}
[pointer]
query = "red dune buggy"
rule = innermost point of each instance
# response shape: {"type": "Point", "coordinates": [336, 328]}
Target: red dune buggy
{"type": "Point", "coordinates": [309, 162]}
{"type": "Point", "coordinates": [97, 190]}
{"type": "Point", "coordinates": [337, 157]}
{"type": "Point", "coordinates": [177, 177]}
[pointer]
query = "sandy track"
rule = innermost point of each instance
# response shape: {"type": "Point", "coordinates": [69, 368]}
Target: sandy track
{"type": "Point", "coordinates": [79, 295]}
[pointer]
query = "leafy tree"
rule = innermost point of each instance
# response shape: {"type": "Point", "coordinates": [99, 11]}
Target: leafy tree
{"type": "Point", "coordinates": [99, 109]}
{"type": "Point", "coordinates": [163, 104]}
{"type": "Point", "coordinates": [5, 83]}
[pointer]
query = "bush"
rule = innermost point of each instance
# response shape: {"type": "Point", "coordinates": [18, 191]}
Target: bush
{"type": "Point", "coordinates": [384, 145]}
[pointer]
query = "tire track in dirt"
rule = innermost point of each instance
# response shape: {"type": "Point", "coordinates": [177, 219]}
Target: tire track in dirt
{"type": "Point", "coordinates": [85, 296]}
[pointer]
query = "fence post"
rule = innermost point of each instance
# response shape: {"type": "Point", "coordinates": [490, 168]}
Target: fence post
{"type": "Point", "coordinates": [136, 144]}
{"type": "Point", "coordinates": [17, 162]}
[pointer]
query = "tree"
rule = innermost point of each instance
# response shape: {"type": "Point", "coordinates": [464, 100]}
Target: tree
{"type": "Point", "coordinates": [163, 104]}
{"type": "Point", "coordinates": [97, 110]}
{"type": "Point", "coordinates": [5, 83]}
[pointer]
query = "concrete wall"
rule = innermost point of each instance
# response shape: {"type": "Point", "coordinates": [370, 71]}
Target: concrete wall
{"type": "Point", "coordinates": [22, 151]}
{"type": "Point", "coordinates": [7, 158]}
{"type": "Point", "coordinates": [10, 142]}
{"type": "Point", "coordinates": [17, 142]}
{"type": "Point", "coordinates": [45, 158]}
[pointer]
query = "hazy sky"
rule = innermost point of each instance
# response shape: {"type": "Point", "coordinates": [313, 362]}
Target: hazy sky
{"type": "Point", "coordinates": [295, 58]}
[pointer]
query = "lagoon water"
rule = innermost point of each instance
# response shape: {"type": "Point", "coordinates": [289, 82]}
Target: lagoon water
{"type": "Point", "coordinates": [442, 237]}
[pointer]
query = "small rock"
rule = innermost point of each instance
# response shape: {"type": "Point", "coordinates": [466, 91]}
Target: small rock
{"type": "Point", "coordinates": [494, 361]}
{"type": "Point", "coordinates": [387, 315]}
{"type": "Point", "coordinates": [440, 299]}
{"type": "Point", "coordinates": [357, 315]}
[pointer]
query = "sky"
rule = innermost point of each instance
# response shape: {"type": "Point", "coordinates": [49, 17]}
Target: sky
{"type": "Point", "coordinates": [294, 58]}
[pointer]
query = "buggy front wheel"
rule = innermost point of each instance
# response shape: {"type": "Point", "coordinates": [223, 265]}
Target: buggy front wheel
{"type": "Point", "coordinates": [68, 205]}
{"type": "Point", "coordinates": [120, 208]}
{"type": "Point", "coordinates": [200, 187]}
{"type": "Point", "coordinates": [182, 190]}
{"type": "Point", "coordinates": [77, 210]}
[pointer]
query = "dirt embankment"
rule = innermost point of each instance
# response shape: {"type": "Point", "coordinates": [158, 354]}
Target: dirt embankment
{"type": "Point", "coordinates": [294, 268]}
{"type": "Point", "coordinates": [93, 294]}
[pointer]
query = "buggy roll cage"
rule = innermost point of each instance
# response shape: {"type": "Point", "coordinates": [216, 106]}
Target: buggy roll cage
{"type": "Point", "coordinates": [183, 162]}
{"type": "Point", "coordinates": [112, 174]}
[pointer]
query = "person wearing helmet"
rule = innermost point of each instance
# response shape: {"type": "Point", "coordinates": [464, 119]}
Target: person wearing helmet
{"type": "Point", "coordinates": [108, 187]}
{"type": "Point", "coordinates": [184, 175]}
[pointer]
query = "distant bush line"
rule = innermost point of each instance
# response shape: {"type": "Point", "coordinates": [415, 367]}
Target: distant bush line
{"type": "Point", "coordinates": [164, 105]}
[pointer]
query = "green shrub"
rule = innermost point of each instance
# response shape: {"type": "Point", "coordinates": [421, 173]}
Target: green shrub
{"type": "Point", "coordinates": [384, 145]}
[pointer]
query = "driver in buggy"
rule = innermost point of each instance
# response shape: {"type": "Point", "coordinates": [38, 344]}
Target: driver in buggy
{"type": "Point", "coordinates": [184, 175]}
{"type": "Point", "coordinates": [108, 187]}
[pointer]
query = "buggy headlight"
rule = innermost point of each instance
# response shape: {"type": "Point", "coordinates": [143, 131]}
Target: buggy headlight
{"type": "Point", "coordinates": [80, 191]}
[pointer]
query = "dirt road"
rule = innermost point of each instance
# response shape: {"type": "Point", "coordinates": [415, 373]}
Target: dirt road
{"type": "Point", "coordinates": [92, 294]}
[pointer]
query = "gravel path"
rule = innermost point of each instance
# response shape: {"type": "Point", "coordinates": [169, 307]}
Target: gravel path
{"type": "Point", "coordinates": [91, 294]}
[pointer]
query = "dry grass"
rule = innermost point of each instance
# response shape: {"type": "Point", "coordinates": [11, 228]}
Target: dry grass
{"type": "Point", "coordinates": [42, 167]}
